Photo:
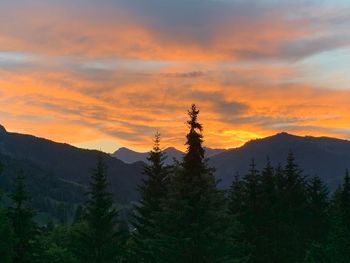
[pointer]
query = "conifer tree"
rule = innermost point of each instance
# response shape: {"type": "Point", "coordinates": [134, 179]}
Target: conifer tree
{"type": "Point", "coordinates": [98, 239]}
{"type": "Point", "coordinates": [252, 208]}
{"type": "Point", "coordinates": [343, 202]}
{"type": "Point", "coordinates": [6, 232]}
{"type": "Point", "coordinates": [236, 196]}
{"type": "Point", "coordinates": [267, 221]}
{"type": "Point", "coordinates": [24, 228]}
{"type": "Point", "coordinates": [268, 186]}
{"type": "Point", "coordinates": [195, 225]}
{"type": "Point", "coordinates": [339, 236]}
{"type": "Point", "coordinates": [318, 210]}
{"type": "Point", "coordinates": [292, 213]}
{"type": "Point", "coordinates": [318, 222]}
{"type": "Point", "coordinates": [252, 192]}
{"type": "Point", "coordinates": [6, 238]}
{"type": "Point", "coordinates": [152, 192]}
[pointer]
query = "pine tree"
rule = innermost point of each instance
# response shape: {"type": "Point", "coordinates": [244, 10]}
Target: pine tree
{"type": "Point", "coordinates": [318, 221]}
{"type": "Point", "coordinates": [152, 192]}
{"type": "Point", "coordinates": [6, 238]}
{"type": "Point", "coordinates": [194, 225]}
{"type": "Point", "coordinates": [1, 171]}
{"type": "Point", "coordinates": [98, 238]}
{"type": "Point", "coordinates": [267, 220]}
{"type": "Point", "coordinates": [252, 210]}
{"type": "Point", "coordinates": [292, 213]}
{"type": "Point", "coordinates": [236, 196]}
{"type": "Point", "coordinates": [6, 233]}
{"type": "Point", "coordinates": [318, 210]}
{"type": "Point", "coordinates": [252, 193]}
{"type": "Point", "coordinates": [344, 200]}
{"type": "Point", "coordinates": [338, 243]}
{"type": "Point", "coordinates": [268, 185]}
{"type": "Point", "coordinates": [24, 228]}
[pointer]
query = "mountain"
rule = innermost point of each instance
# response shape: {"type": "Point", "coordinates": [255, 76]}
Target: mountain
{"type": "Point", "coordinates": [59, 173]}
{"type": "Point", "coordinates": [129, 156]}
{"type": "Point", "coordinates": [322, 156]}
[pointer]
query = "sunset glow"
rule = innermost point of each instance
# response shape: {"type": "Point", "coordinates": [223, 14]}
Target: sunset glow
{"type": "Point", "coordinates": [106, 74]}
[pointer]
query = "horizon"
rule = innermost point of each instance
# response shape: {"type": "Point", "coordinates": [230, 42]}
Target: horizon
{"type": "Point", "coordinates": [109, 74]}
{"type": "Point", "coordinates": [183, 150]}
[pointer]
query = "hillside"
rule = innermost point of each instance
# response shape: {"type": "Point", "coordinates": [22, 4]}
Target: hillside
{"type": "Point", "coordinates": [60, 172]}
{"type": "Point", "coordinates": [326, 157]}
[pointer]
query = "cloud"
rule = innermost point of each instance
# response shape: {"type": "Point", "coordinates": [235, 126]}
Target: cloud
{"type": "Point", "coordinates": [173, 30]}
{"type": "Point", "coordinates": [120, 70]}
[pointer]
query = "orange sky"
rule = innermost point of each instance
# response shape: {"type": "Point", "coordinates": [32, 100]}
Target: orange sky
{"type": "Point", "coordinates": [109, 74]}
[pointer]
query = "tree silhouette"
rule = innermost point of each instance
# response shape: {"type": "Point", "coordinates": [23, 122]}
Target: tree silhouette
{"type": "Point", "coordinates": [194, 225]}
{"type": "Point", "coordinates": [152, 192]}
{"type": "Point", "coordinates": [98, 238]}
{"type": "Point", "coordinates": [24, 228]}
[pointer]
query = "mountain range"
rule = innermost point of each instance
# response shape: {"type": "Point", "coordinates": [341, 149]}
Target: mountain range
{"type": "Point", "coordinates": [58, 174]}
{"type": "Point", "coordinates": [129, 156]}
{"type": "Point", "coordinates": [323, 156]}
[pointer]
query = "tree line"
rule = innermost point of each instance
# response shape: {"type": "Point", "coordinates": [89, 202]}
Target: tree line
{"type": "Point", "coordinates": [276, 214]}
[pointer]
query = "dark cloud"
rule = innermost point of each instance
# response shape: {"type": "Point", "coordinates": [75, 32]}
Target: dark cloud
{"type": "Point", "coordinates": [226, 109]}
{"type": "Point", "coordinates": [191, 74]}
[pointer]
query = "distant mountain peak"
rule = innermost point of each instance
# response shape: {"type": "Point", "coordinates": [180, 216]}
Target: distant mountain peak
{"type": "Point", "coordinates": [283, 134]}
{"type": "Point", "coordinates": [171, 149]}
{"type": "Point", "coordinates": [2, 129]}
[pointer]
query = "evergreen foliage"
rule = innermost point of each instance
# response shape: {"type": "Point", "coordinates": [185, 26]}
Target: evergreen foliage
{"type": "Point", "coordinates": [97, 240]}
{"type": "Point", "coordinates": [25, 230]}
{"type": "Point", "coordinates": [152, 192]}
{"type": "Point", "coordinates": [273, 214]}
{"type": "Point", "coordinates": [194, 224]}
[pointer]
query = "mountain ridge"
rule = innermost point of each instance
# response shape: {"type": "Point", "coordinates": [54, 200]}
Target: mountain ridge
{"type": "Point", "coordinates": [130, 156]}
{"type": "Point", "coordinates": [56, 169]}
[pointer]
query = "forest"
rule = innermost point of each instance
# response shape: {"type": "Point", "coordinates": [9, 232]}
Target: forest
{"type": "Point", "coordinates": [275, 214]}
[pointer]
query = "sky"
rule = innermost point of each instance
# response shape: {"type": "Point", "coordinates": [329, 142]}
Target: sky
{"type": "Point", "coordinates": [110, 73]}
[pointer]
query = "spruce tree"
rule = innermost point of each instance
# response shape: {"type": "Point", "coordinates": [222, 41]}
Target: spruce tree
{"type": "Point", "coordinates": [338, 243]}
{"type": "Point", "coordinates": [6, 238]}
{"type": "Point", "coordinates": [318, 210]}
{"type": "Point", "coordinates": [195, 226]}
{"type": "Point", "coordinates": [343, 201]}
{"type": "Point", "coordinates": [24, 228]}
{"type": "Point", "coordinates": [152, 191]}
{"type": "Point", "coordinates": [252, 210]}
{"type": "Point", "coordinates": [318, 221]}
{"type": "Point", "coordinates": [97, 241]}
{"type": "Point", "coordinates": [236, 196]}
{"type": "Point", "coordinates": [292, 213]}
{"type": "Point", "coordinates": [6, 232]}
{"type": "Point", "coordinates": [267, 221]}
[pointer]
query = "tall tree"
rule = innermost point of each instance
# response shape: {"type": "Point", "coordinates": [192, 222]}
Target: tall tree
{"type": "Point", "coordinates": [236, 196]}
{"type": "Point", "coordinates": [6, 232]}
{"type": "Point", "coordinates": [1, 171]}
{"type": "Point", "coordinates": [195, 225]}
{"type": "Point", "coordinates": [22, 220]}
{"type": "Point", "coordinates": [339, 236]}
{"type": "Point", "coordinates": [319, 221]}
{"type": "Point", "coordinates": [292, 213]}
{"type": "Point", "coordinates": [152, 191]}
{"type": "Point", "coordinates": [252, 209]}
{"type": "Point", "coordinates": [98, 239]}
{"type": "Point", "coordinates": [318, 210]}
{"type": "Point", "coordinates": [266, 218]}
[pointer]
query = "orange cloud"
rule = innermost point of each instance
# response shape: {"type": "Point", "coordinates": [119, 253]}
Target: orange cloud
{"type": "Point", "coordinates": [98, 74]}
